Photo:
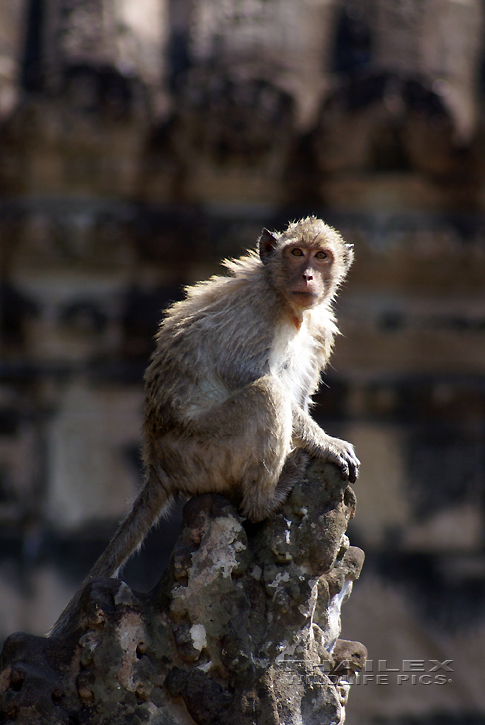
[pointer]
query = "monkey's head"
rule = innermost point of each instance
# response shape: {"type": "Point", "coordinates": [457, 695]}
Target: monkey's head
{"type": "Point", "coordinates": [306, 263]}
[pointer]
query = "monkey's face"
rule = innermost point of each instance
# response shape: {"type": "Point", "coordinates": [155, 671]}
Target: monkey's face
{"type": "Point", "coordinates": [306, 263]}
{"type": "Point", "coordinates": [308, 273]}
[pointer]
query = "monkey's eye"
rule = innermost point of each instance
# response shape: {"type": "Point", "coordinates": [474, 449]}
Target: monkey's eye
{"type": "Point", "coordinates": [297, 252]}
{"type": "Point", "coordinates": [321, 255]}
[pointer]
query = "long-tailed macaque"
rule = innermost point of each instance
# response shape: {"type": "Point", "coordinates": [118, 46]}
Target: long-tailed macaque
{"type": "Point", "coordinates": [229, 385]}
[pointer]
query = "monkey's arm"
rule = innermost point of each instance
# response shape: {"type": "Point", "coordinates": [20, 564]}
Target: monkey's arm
{"type": "Point", "coordinates": [319, 444]}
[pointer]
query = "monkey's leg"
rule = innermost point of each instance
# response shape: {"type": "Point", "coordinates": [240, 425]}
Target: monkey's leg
{"type": "Point", "coordinates": [293, 471]}
{"type": "Point", "coordinates": [240, 447]}
{"type": "Point", "coordinates": [237, 448]}
{"type": "Point", "coordinates": [320, 445]}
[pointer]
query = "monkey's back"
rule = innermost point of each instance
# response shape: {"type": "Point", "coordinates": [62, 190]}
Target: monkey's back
{"type": "Point", "coordinates": [209, 344]}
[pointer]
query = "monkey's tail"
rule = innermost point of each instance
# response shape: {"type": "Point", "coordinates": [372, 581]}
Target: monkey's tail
{"type": "Point", "coordinates": [146, 510]}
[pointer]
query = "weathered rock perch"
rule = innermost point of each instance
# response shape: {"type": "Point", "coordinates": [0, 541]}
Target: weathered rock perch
{"type": "Point", "coordinates": [242, 628]}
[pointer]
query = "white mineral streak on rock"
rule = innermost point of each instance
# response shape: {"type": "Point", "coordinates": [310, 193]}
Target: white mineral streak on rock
{"type": "Point", "coordinates": [280, 577]}
{"type": "Point", "coordinates": [308, 608]}
{"type": "Point", "coordinates": [198, 634]}
{"type": "Point", "coordinates": [334, 607]}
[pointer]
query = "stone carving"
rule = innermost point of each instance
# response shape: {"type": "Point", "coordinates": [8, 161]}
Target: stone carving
{"type": "Point", "coordinates": [103, 35]}
{"type": "Point", "coordinates": [234, 134]}
{"type": "Point", "coordinates": [242, 627]}
{"type": "Point", "coordinates": [439, 42]}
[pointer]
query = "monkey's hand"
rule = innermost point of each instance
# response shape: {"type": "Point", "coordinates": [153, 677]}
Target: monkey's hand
{"type": "Point", "coordinates": [320, 445]}
{"type": "Point", "coordinates": [343, 455]}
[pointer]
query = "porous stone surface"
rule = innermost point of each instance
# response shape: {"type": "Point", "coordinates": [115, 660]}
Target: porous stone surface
{"type": "Point", "coordinates": [242, 627]}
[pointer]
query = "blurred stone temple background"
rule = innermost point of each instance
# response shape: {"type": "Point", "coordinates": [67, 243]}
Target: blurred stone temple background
{"type": "Point", "coordinates": [142, 141]}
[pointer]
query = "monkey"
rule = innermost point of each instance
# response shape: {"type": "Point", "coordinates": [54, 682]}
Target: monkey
{"type": "Point", "coordinates": [229, 386]}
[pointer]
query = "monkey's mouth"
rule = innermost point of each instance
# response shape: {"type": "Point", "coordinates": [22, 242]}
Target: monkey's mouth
{"type": "Point", "coordinates": [304, 298]}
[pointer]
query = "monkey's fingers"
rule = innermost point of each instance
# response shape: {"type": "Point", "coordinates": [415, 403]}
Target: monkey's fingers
{"type": "Point", "coordinates": [353, 472]}
{"type": "Point", "coordinates": [342, 454]}
{"type": "Point", "coordinates": [349, 472]}
{"type": "Point", "coordinates": [354, 465]}
{"type": "Point", "coordinates": [336, 457]}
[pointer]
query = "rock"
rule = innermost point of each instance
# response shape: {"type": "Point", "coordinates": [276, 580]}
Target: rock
{"type": "Point", "coordinates": [242, 627]}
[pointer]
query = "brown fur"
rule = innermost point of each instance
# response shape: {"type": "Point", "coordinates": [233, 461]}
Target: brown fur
{"type": "Point", "coordinates": [229, 385]}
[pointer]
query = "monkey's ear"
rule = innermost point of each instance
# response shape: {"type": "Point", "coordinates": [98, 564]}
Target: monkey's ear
{"type": "Point", "coordinates": [349, 248]}
{"type": "Point", "coordinates": [266, 242]}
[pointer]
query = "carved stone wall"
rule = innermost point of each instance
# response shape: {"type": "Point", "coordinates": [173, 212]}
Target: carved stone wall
{"type": "Point", "coordinates": [123, 178]}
